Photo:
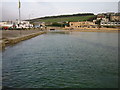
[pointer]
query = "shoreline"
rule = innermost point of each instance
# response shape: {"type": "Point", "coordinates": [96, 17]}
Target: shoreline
{"type": "Point", "coordinates": [87, 29]}
{"type": "Point", "coordinates": [11, 40]}
{"type": "Point", "coordinates": [95, 30]}
{"type": "Point", "coordinates": [116, 31]}
{"type": "Point", "coordinates": [15, 40]}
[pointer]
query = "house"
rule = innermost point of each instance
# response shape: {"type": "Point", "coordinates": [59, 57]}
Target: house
{"type": "Point", "coordinates": [39, 24]}
{"type": "Point", "coordinates": [110, 23]}
{"type": "Point", "coordinates": [84, 24]}
{"type": "Point", "coordinates": [108, 19]}
{"type": "Point", "coordinates": [23, 24]}
{"type": "Point", "coordinates": [115, 18]}
{"type": "Point", "coordinates": [5, 25]}
{"type": "Point", "coordinates": [101, 16]}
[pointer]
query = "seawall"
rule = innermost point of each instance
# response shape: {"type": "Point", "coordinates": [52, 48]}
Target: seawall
{"type": "Point", "coordinates": [12, 41]}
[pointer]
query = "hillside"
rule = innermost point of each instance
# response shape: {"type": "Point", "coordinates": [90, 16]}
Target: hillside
{"type": "Point", "coordinates": [64, 18]}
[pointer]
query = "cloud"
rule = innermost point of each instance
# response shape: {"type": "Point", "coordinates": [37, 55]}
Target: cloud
{"type": "Point", "coordinates": [61, 0]}
{"type": "Point", "coordinates": [41, 9]}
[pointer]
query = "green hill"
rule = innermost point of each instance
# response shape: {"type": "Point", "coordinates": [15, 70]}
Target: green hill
{"type": "Point", "coordinates": [65, 18]}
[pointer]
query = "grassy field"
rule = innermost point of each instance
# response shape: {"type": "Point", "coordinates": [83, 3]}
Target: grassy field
{"type": "Point", "coordinates": [64, 19]}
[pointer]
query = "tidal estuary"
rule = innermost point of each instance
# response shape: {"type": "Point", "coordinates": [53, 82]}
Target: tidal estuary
{"type": "Point", "coordinates": [63, 60]}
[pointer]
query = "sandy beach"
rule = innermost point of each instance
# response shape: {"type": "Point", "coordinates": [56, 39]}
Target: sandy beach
{"type": "Point", "coordinates": [96, 30]}
{"type": "Point", "coordinates": [85, 30]}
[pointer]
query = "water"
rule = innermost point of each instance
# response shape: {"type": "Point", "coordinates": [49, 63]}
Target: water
{"type": "Point", "coordinates": [63, 59]}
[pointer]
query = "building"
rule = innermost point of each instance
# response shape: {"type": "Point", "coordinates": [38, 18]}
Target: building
{"type": "Point", "coordinates": [23, 24]}
{"type": "Point", "coordinates": [6, 25]}
{"type": "Point", "coordinates": [110, 23]}
{"type": "Point", "coordinates": [115, 18]}
{"type": "Point", "coordinates": [84, 24]}
{"type": "Point", "coordinates": [3, 23]}
{"type": "Point", "coordinates": [15, 25]}
{"type": "Point", "coordinates": [103, 16]}
{"type": "Point", "coordinates": [39, 24]}
{"type": "Point", "coordinates": [108, 19]}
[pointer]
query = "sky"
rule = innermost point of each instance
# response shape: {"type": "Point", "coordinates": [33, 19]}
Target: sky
{"type": "Point", "coordinates": [40, 8]}
{"type": "Point", "coordinates": [61, 0]}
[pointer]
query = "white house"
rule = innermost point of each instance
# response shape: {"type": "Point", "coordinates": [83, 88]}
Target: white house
{"type": "Point", "coordinates": [103, 23]}
{"type": "Point", "coordinates": [24, 24]}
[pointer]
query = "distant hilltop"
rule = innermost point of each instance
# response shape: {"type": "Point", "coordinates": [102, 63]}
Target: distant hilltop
{"type": "Point", "coordinates": [59, 16]}
{"type": "Point", "coordinates": [63, 18]}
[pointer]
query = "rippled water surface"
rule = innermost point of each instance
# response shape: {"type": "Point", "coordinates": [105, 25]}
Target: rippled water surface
{"type": "Point", "coordinates": [63, 59]}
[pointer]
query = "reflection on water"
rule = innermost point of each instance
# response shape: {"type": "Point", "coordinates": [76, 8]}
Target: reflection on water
{"type": "Point", "coordinates": [63, 59]}
{"type": "Point", "coordinates": [59, 32]}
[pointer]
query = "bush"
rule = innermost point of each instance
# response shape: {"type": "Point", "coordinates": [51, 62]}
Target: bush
{"type": "Point", "coordinates": [110, 26]}
{"type": "Point", "coordinates": [55, 24]}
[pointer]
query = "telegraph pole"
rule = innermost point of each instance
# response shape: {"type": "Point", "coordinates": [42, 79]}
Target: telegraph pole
{"type": "Point", "coordinates": [19, 6]}
{"type": "Point", "coordinates": [19, 21]}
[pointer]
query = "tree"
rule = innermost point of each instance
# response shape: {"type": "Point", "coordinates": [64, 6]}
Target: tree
{"type": "Point", "coordinates": [98, 22]}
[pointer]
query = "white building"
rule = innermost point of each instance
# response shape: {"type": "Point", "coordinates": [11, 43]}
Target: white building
{"type": "Point", "coordinates": [103, 23]}
{"type": "Point", "coordinates": [24, 24]}
{"type": "Point", "coordinates": [6, 25]}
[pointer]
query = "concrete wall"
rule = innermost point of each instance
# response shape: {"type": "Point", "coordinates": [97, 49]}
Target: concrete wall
{"type": "Point", "coordinates": [11, 41]}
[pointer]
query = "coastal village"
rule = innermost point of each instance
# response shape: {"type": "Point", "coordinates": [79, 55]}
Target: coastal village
{"type": "Point", "coordinates": [108, 20]}
{"type": "Point", "coordinates": [103, 20]}
{"type": "Point", "coordinates": [19, 30]}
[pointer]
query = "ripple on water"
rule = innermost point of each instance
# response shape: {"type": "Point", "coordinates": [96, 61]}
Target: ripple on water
{"type": "Point", "coordinates": [63, 60]}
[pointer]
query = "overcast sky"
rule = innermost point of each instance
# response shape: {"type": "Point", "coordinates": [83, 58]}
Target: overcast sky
{"type": "Point", "coordinates": [61, 0]}
{"type": "Point", "coordinates": [41, 8]}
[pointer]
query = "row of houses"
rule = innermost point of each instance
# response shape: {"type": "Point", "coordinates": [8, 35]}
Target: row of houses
{"type": "Point", "coordinates": [109, 19]}
{"type": "Point", "coordinates": [102, 20]}
{"type": "Point", "coordinates": [15, 25]}
{"type": "Point", "coordinates": [113, 17]}
{"type": "Point", "coordinates": [110, 23]}
{"type": "Point", "coordinates": [22, 25]}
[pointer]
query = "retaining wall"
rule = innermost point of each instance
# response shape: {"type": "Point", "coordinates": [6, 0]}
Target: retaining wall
{"type": "Point", "coordinates": [11, 41]}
